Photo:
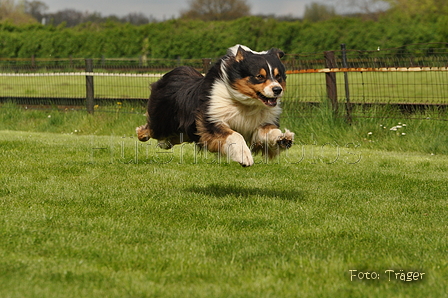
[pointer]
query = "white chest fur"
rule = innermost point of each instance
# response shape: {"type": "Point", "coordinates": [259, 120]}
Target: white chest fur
{"type": "Point", "coordinates": [240, 112]}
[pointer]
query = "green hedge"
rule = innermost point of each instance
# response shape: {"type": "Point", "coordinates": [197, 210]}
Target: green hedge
{"type": "Point", "coordinates": [198, 39]}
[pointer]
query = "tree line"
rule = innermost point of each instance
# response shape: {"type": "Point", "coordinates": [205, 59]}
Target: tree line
{"type": "Point", "coordinates": [199, 39]}
{"type": "Point", "coordinates": [196, 38]}
{"type": "Point", "coordinates": [29, 11]}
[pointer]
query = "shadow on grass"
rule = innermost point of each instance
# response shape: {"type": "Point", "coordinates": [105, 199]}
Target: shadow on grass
{"type": "Point", "coordinates": [220, 191]}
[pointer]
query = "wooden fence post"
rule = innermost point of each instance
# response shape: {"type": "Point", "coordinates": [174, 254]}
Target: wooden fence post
{"type": "Point", "coordinates": [90, 95]}
{"type": "Point", "coordinates": [348, 105]}
{"type": "Point", "coordinates": [206, 62]}
{"type": "Point", "coordinates": [330, 78]}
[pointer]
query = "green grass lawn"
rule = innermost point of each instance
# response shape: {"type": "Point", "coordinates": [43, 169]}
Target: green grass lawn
{"type": "Point", "coordinates": [87, 211]}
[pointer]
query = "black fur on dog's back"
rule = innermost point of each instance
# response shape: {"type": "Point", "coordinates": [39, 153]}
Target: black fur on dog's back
{"type": "Point", "coordinates": [173, 103]}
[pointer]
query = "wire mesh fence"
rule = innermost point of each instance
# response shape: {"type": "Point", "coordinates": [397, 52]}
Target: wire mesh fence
{"type": "Point", "coordinates": [122, 65]}
{"type": "Point", "coordinates": [387, 86]}
{"type": "Point", "coordinates": [410, 76]}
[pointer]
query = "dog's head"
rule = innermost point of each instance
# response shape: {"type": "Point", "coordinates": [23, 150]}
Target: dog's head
{"type": "Point", "coordinates": [257, 75]}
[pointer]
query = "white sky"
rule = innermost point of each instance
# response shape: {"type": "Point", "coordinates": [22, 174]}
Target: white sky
{"type": "Point", "coordinates": [167, 9]}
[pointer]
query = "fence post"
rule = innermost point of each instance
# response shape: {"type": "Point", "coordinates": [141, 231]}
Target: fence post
{"type": "Point", "coordinates": [330, 78]}
{"type": "Point", "coordinates": [89, 87]}
{"type": "Point", "coordinates": [348, 105]}
{"type": "Point", "coordinates": [206, 64]}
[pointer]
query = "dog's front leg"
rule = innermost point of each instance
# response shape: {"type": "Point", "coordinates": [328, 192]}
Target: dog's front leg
{"type": "Point", "coordinates": [226, 142]}
{"type": "Point", "coordinates": [272, 140]}
{"type": "Point", "coordinates": [235, 148]}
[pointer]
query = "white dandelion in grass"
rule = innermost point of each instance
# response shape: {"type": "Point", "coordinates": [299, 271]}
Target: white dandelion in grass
{"type": "Point", "coordinates": [397, 127]}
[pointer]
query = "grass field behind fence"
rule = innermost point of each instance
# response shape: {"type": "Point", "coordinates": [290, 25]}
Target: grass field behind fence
{"type": "Point", "coordinates": [374, 87]}
{"type": "Point", "coordinates": [371, 87]}
{"type": "Point", "coordinates": [88, 211]}
{"type": "Point", "coordinates": [75, 87]}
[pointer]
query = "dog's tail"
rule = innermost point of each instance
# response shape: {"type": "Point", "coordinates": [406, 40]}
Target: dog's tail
{"type": "Point", "coordinates": [143, 132]}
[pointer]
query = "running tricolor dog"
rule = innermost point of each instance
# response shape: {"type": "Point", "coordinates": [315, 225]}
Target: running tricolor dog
{"type": "Point", "coordinates": [234, 110]}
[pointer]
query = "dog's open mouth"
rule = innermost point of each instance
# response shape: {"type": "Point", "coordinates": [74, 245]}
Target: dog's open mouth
{"type": "Point", "coordinates": [269, 101]}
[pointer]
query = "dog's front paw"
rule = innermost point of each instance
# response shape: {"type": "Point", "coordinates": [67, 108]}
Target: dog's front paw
{"type": "Point", "coordinates": [237, 150]}
{"type": "Point", "coordinates": [286, 139]}
{"type": "Point", "coordinates": [246, 158]}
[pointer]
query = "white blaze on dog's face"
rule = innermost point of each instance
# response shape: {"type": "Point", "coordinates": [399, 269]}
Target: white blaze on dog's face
{"type": "Point", "coordinates": [260, 76]}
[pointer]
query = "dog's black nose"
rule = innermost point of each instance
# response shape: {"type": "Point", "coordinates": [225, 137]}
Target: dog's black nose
{"type": "Point", "coordinates": [277, 90]}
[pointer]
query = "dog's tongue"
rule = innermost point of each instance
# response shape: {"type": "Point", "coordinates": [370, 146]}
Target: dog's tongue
{"type": "Point", "coordinates": [272, 102]}
{"type": "Point", "coordinates": [269, 101]}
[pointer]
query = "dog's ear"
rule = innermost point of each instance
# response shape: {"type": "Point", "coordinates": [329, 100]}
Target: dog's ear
{"type": "Point", "coordinates": [278, 52]}
{"type": "Point", "coordinates": [240, 54]}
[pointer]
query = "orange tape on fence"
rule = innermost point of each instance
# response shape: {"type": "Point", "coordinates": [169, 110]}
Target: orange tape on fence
{"type": "Point", "coordinates": [367, 69]}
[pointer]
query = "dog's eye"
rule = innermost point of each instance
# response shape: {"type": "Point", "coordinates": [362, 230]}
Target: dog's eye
{"type": "Point", "coordinates": [278, 77]}
{"type": "Point", "coordinates": [260, 77]}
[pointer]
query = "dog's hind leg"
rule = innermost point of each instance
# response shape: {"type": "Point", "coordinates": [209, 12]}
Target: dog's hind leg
{"type": "Point", "coordinates": [168, 143]}
{"type": "Point", "coordinates": [143, 132]}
